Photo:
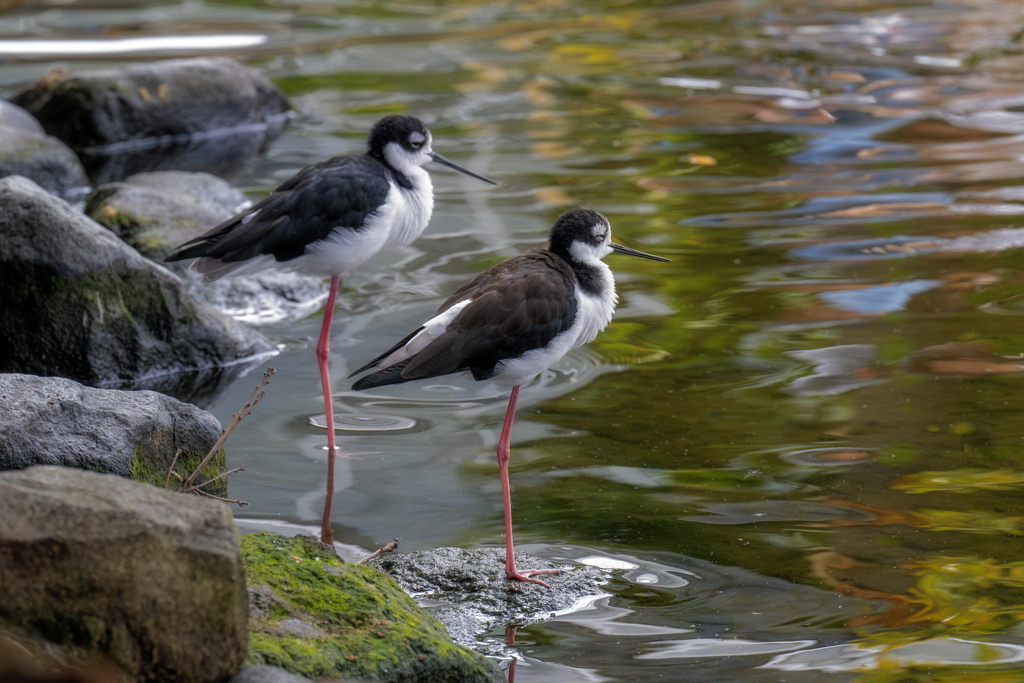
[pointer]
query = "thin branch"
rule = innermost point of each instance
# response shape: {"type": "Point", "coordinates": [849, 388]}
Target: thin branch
{"type": "Point", "coordinates": [257, 394]}
{"type": "Point", "coordinates": [190, 489]}
{"type": "Point", "coordinates": [171, 470]}
{"type": "Point", "coordinates": [380, 551]}
{"type": "Point", "coordinates": [200, 492]}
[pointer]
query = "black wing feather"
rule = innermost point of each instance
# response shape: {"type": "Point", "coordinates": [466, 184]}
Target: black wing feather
{"type": "Point", "coordinates": [517, 306]}
{"type": "Point", "coordinates": [340, 192]}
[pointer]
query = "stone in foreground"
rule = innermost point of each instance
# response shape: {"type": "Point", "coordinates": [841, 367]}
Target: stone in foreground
{"type": "Point", "coordinates": [148, 579]}
{"type": "Point", "coordinates": [77, 302]}
{"type": "Point", "coordinates": [475, 596]}
{"type": "Point", "coordinates": [55, 421]}
{"type": "Point", "coordinates": [318, 617]}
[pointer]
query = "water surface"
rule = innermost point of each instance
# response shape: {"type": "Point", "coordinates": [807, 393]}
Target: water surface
{"type": "Point", "coordinates": [796, 450]}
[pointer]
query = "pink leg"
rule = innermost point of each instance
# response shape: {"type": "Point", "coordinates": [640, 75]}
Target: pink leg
{"type": "Point", "coordinates": [504, 450]}
{"type": "Point", "coordinates": [323, 352]}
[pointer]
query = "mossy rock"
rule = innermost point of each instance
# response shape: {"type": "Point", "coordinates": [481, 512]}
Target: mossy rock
{"type": "Point", "coordinates": [316, 616]}
{"type": "Point", "coordinates": [152, 468]}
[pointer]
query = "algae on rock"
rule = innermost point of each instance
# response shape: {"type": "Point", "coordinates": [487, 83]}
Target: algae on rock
{"type": "Point", "coordinates": [314, 615]}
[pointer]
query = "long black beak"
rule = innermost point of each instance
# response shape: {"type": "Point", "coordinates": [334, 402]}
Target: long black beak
{"type": "Point", "coordinates": [461, 169]}
{"type": "Point", "coordinates": [633, 252]}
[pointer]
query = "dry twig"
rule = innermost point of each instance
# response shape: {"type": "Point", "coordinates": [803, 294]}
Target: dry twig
{"type": "Point", "coordinates": [379, 551]}
{"type": "Point", "coordinates": [257, 394]}
{"type": "Point", "coordinates": [186, 484]}
{"type": "Point", "coordinates": [226, 500]}
{"type": "Point", "coordinates": [171, 471]}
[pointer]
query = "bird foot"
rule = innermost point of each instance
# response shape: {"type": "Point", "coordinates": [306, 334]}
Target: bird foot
{"type": "Point", "coordinates": [525, 574]}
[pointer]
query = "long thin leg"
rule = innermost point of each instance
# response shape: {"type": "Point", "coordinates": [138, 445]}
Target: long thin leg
{"type": "Point", "coordinates": [504, 450]}
{"type": "Point", "coordinates": [323, 352]}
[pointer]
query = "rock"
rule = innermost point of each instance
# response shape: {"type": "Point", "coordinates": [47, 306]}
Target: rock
{"type": "Point", "coordinates": [203, 189]}
{"type": "Point", "coordinates": [99, 565]}
{"type": "Point", "coordinates": [15, 117]}
{"type": "Point", "coordinates": [77, 302]}
{"type": "Point", "coordinates": [26, 150]}
{"type": "Point", "coordinates": [473, 595]}
{"type": "Point", "coordinates": [155, 219]}
{"type": "Point", "coordinates": [209, 113]}
{"type": "Point", "coordinates": [155, 212]}
{"type": "Point", "coordinates": [54, 421]}
{"type": "Point", "coordinates": [316, 616]}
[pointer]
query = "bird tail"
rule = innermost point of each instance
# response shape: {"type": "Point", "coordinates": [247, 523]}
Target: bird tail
{"type": "Point", "coordinates": [382, 378]}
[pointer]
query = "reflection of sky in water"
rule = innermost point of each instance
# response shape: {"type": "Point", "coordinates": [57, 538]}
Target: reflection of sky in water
{"type": "Point", "coordinates": [126, 45]}
{"type": "Point", "coordinates": [878, 300]}
{"type": "Point", "coordinates": [936, 651]}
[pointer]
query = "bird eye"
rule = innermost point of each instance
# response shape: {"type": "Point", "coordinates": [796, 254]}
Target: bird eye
{"type": "Point", "coordinates": [416, 144]}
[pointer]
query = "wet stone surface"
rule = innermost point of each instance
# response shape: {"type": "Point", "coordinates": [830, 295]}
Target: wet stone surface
{"type": "Point", "coordinates": [468, 592]}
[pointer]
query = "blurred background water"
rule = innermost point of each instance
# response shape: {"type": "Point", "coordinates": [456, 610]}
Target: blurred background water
{"type": "Point", "coordinates": [797, 449]}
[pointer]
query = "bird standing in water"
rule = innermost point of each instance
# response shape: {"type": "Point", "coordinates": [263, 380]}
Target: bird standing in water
{"type": "Point", "coordinates": [327, 219]}
{"type": "Point", "coordinates": [513, 322]}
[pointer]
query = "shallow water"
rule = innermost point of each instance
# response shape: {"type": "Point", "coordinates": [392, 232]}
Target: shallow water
{"type": "Point", "coordinates": [797, 447]}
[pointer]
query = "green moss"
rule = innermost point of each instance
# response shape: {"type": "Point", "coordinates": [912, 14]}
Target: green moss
{"type": "Point", "coordinates": [360, 623]}
{"type": "Point", "coordinates": [148, 468]}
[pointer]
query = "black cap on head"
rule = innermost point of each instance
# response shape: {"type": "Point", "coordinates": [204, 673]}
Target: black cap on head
{"type": "Point", "coordinates": [572, 226]}
{"type": "Point", "coordinates": [394, 128]}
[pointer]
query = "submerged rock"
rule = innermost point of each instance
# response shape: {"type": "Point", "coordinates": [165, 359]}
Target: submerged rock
{"type": "Point", "coordinates": [54, 421]}
{"type": "Point", "coordinates": [77, 302]}
{"type": "Point", "coordinates": [206, 113]}
{"type": "Point", "coordinates": [473, 595]}
{"type": "Point", "coordinates": [149, 579]}
{"type": "Point", "coordinates": [26, 150]}
{"type": "Point", "coordinates": [316, 616]}
{"type": "Point", "coordinates": [155, 212]}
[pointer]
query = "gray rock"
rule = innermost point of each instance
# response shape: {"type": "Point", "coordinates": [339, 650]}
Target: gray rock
{"type": "Point", "coordinates": [150, 219]}
{"type": "Point", "coordinates": [77, 302]}
{"type": "Point", "coordinates": [97, 564]}
{"type": "Point", "coordinates": [266, 674]}
{"type": "Point", "coordinates": [206, 113]}
{"type": "Point", "coordinates": [267, 298]}
{"type": "Point", "coordinates": [204, 189]}
{"type": "Point", "coordinates": [15, 117]}
{"type": "Point", "coordinates": [54, 421]}
{"type": "Point", "coordinates": [44, 159]}
{"type": "Point", "coordinates": [155, 212]}
{"type": "Point", "coordinates": [472, 595]}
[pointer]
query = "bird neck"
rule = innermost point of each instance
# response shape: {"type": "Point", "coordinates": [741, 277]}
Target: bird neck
{"type": "Point", "coordinates": [401, 179]}
{"type": "Point", "coordinates": [594, 278]}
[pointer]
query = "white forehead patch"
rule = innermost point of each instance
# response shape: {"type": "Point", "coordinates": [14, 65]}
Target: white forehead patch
{"type": "Point", "coordinates": [599, 230]}
{"type": "Point", "coordinates": [417, 137]}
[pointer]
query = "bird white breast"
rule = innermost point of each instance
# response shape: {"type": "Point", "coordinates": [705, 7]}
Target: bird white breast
{"type": "Point", "coordinates": [413, 208]}
{"type": "Point", "coordinates": [398, 221]}
{"type": "Point", "coordinates": [345, 248]}
{"type": "Point", "coordinates": [593, 313]}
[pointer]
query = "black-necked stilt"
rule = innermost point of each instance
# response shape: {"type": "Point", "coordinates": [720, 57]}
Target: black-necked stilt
{"type": "Point", "coordinates": [513, 322]}
{"type": "Point", "coordinates": [327, 219]}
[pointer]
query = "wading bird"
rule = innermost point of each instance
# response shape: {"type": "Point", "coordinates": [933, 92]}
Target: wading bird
{"type": "Point", "coordinates": [513, 322]}
{"type": "Point", "coordinates": [327, 219]}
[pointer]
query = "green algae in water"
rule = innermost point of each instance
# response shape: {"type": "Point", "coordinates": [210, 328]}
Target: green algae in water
{"type": "Point", "coordinates": [319, 617]}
